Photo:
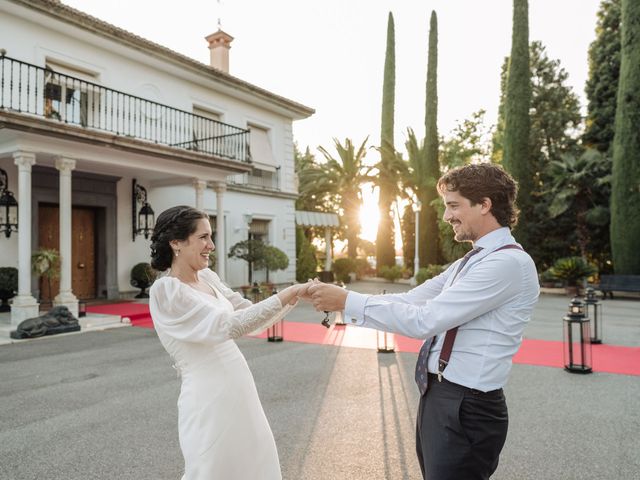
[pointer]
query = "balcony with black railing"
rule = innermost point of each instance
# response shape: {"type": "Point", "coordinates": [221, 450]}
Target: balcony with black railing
{"type": "Point", "coordinates": [42, 92]}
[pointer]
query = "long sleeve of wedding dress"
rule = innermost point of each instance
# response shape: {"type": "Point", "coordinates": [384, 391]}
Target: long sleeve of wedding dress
{"type": "Point", "coordinates": [184, 316]}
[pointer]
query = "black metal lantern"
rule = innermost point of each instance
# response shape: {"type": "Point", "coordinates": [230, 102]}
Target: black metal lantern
{"type": "Point", "coordinates": [593, 310]}
{"type": "Point", "coordinates": [577, 339]}
{"type": "Point", "coordinates": [275, 333]}
{"type": "Point", "coordinates": [8, 207]}
{"type": "Point", "coordinates": [144, 220]}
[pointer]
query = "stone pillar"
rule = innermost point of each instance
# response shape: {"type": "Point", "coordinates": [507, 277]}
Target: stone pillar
{"type": "Point", "coordinates": [24, 304]}
{"type": "Point", "coordinates": [200, 186]}
{"type": "Point", "coordinates": [65, 297]}
{"type": "Point", "coordinates": [221, 247]}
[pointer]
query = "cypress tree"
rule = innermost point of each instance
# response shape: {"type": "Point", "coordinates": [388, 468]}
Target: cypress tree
{"type": "Point", "coordinates": [604, 71]}
{"type": "Point", "coordinates": [385, 246]}
{"type": "Point", "coordinates": [429, 233]}
{"type": "Point", "coordinates": [517, 123]}
{"type": "Point", "coordinates": [625, 188]}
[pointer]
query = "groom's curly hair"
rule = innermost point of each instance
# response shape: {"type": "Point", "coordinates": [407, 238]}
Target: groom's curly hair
{"type": "Point", "coordinates": [485, 180]}
{"type": "Point", "coordinates": [175, 223]}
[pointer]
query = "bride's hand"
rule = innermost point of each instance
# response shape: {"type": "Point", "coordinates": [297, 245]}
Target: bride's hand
{"type": "Point", "coordinates": [291, 294]}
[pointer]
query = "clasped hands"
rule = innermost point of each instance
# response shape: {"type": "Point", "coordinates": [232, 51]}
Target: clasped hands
{"type": "Point", "coordinates": [324, 297]}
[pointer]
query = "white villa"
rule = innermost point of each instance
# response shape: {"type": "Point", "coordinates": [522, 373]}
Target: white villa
{"type": "Point", "coordinates": [97, 125]}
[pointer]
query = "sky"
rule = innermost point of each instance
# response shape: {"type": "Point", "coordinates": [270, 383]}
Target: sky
{"type": "Point", "coordinates": [329, 55]}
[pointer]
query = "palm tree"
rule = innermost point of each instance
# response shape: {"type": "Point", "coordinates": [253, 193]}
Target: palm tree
{"type": "Point", "coordinates": [344, 176]}
{"type": "Point", "coordinates": [576, 181]}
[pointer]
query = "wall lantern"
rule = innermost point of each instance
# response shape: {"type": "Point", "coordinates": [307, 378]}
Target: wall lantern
{"type": "Point", "coordinates": [593, 311]}
{"type": "Point", "coordinates": [8, 207]}
{"type": "Point", "coordinates": [143, 219]}
{"type": "Point", "coordinates": [577, 339]}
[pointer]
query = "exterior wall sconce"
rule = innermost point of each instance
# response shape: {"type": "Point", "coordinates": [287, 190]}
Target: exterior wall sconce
{"type": "Point", "coordinates": [8, 207]}
{"type": "Point", "coordinates": [143, 219]}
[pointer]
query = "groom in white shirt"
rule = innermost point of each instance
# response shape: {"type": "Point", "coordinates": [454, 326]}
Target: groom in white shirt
{"type": "Point", "coordinates": [471, 317]}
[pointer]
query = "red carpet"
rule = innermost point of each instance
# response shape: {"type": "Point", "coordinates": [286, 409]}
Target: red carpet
{"type": "Point", "coordinates": [606, 358]}
{"type": "Point", "coordinates": [138, 313]}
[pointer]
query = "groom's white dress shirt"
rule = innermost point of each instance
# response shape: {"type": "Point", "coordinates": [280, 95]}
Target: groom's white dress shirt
{"type": "Point", "coordinates": [491, 300]}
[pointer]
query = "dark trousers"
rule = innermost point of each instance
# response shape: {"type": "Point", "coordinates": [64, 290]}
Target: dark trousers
{"type": "Point", "coordinates": [460, 432]}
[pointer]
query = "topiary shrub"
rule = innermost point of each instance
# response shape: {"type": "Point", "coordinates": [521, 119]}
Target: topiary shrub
{"type": "Point", "coordinates": [363, 269]}
{"type": "Point", "coordinates": [342, 267]}
{"type": "Point", "coordinates": [8, 286]}
{"type": "Point", "coordinates": [427, 273]}
{"type": "Point", "coordinates": [274, 259]}
{"type": "Point", "coordinates": [142, 277]}
{"type": "Point", "coordinates": [391, 273]}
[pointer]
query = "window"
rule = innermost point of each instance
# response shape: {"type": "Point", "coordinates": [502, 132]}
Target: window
{"type": "Point", "coordinates": [259, 230]}
{"type": "Point", "coordinates": [206, 132]}
{"type": "Point", "coordinates": [70, 96]}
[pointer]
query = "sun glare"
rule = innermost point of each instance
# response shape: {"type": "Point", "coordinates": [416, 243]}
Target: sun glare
{"type": "Point", "coordinates": [369, 218]}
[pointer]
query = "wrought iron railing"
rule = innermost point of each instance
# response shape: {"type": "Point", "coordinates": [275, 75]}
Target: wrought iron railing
{"type": "Point", "coordinates": [43, 92]}
{"type": "Point", "coordinates": [261, 179]}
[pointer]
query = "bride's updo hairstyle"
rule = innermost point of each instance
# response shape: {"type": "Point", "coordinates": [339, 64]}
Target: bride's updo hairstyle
{"type": "Point", "coordinates": [175, 223]}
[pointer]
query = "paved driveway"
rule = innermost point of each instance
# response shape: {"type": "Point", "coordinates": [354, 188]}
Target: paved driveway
{"type": "Point", "coordinates": [102, 405]}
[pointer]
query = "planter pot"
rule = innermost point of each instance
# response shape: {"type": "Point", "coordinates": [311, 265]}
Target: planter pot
{"type": "Point", "coordinates": [5, 296]}
{"type": "Point", "coordinates": [572, 291]}
{"type": "Point", "coordinates": [143, 292]}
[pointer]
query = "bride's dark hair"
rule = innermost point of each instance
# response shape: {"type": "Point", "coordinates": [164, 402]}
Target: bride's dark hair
{"type": "Point", "coordinates": [175, 223]}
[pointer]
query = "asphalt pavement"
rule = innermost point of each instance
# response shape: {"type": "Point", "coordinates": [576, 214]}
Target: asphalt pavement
{"type": "Point", "coordinates": [102, 405]}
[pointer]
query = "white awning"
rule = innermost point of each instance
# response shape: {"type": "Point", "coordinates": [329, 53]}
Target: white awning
{"type": "Point", "coordinates": [316, 219]}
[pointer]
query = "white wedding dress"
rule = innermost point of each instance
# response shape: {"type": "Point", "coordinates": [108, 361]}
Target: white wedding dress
{"type": "Point", "coordinates": [223, 431]}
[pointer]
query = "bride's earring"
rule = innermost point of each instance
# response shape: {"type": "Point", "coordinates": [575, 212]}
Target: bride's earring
{"type": "Point", "coordinates": [177, 252]}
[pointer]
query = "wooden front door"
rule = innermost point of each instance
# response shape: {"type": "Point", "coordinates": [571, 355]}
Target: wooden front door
{"type": "Point", "coordinates": [83, 251]}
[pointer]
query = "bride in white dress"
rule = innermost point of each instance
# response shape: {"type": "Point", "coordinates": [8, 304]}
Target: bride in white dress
{"type": "Point", "coordinates": [223, 431]}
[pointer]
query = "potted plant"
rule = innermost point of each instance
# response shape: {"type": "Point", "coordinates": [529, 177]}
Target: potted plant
{"type": "Point", "coordinates": [142, 276]}
{"type": "Point", "coordinates": [573, 271]}
{"type": "Point", "coordinates": [8, 286]}
{"type": "Point", "coordinates": [45, 263]}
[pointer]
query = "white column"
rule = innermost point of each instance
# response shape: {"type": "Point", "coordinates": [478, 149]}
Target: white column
{"type": "Point", "coordinates": [327, 238]}
{"type": "Point", "coordinates": [200, 186]}
{"type": "Point", "coordinates": [24, 304]}
{"type": "Point", "coordinates": [65, 297]}
{"type": "Point", "coordinates": [220, 188]}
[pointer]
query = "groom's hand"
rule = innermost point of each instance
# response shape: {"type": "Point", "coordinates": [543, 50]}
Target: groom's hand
{"type": "Point", "coordinates": [327, 298]}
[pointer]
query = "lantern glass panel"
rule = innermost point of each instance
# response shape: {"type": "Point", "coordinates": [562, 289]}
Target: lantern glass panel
{"type": "Point", "coordinates": [13, 215]}
{"type": "Point", "coordinates": [386, 342]}
{"type": "Point", "coordinates": [594, 312]}
{"type": "Point", "coordinates": [275, 332]}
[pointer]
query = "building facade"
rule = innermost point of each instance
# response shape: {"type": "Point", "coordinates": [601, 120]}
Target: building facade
{"type": "Point", "coordinates": [98, 125]}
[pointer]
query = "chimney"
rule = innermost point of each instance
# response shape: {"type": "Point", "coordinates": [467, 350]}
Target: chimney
{"type": "Point", "coordinates": [219, 45]}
